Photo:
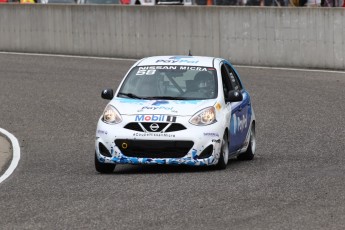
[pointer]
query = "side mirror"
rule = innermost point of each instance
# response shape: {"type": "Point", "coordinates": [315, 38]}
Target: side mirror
{"type": "Point", "coordinates": [107, 94]}
{"type": "Point", "coordinates": [234, 96]}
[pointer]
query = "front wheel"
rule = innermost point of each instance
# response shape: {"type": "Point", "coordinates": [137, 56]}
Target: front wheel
{"type": "Point", "coordinates": [224, 153]}
{"type": "Point", "coordinates": [103, 167]}
{"type": "Point", "coordinates": [249, 154]}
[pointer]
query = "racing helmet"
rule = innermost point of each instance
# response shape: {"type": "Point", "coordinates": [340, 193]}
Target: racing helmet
{"type": "Point", "coordinates": [204, 81]}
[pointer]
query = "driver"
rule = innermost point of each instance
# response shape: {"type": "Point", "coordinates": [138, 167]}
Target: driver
{"type": "Point", "coordinates": [204, 82]}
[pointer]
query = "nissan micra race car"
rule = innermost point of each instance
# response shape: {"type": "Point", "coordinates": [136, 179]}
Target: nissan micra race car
{"type": "Point", "coordinates": [176, 110]}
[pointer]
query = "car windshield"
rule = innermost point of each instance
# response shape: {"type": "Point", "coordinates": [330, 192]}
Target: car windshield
{"type": "Point", "coordinates": [170, 82]}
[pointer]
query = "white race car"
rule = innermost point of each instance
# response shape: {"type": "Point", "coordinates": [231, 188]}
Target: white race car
{"type": "Point", "coordinates": [176, 110]}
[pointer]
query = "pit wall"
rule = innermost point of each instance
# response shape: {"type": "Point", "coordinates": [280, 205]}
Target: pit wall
{"type": "Point", "coordinates": [285, 37]}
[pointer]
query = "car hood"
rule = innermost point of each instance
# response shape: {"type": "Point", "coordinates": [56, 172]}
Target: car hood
{"type": "Point", "coordinates": [173, 107]}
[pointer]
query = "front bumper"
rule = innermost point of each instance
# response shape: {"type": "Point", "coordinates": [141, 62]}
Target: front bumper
{"type": "Point", "coordinates": [167, 161]}
{"type": "Point", "coordinates": [195, 145]}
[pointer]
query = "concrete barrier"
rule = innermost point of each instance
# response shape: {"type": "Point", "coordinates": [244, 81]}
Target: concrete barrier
{"type": "Point", "coordinates": [291, 37]}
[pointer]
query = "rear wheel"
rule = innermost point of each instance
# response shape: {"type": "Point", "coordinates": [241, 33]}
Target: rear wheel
{"type": "Point", "coordinates": [224, 153]}
{"type": "Point", "coordinates": [103, 167]}
{"type": "Point", "coordinates": [249, 154]}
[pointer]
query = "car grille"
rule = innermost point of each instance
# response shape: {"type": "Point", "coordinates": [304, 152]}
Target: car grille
{"type": "Point", "coordinates": [152, 127]}
{"type": "Point", "coordinates": [154, 148]}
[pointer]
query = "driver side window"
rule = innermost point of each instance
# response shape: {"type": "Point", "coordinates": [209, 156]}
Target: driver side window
{"type": "Point", "coordinates": [225, 80]}
{"type": "Point", "coordinates": [236, 84]}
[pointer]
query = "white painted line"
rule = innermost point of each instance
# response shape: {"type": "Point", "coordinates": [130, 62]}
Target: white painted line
{"type": "Point", "coordinates": [15, 157]}
{"type": "Point", "coordinates": [125, 59]}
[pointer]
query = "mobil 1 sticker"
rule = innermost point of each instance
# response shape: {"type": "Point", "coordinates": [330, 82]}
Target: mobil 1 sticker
{"type": "Point", "coordinates": [155, 118]}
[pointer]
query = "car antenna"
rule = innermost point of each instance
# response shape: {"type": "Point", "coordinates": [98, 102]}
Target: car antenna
{"type": "Point", "coordinates": [190, 53]}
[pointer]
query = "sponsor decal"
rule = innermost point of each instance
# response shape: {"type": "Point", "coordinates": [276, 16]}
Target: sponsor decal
{"type": "Point", "coordinates": [156, 107]}
{"type": "Point", "coordinates": [148, 118]}
{"type": "Point", "coordinates": [239, 123]}
{"type": "Point", "coordinates": [171, 118]}
{"type": "Point", "coordinates": [151, 70]}
{"type": "Point", "coordinates": [153, 135]}
{"type": "Point", "coordinates": [145, 72]}
{"type": "Point", "coordinates": [178, 60]}
{"type": "Point", "coordinates": [169, 67]}
{"type": "Point", "coordinates": [216, 141]}
{"type": "Point", "coordinates": [211, 134]}
{"type": "Point", "coordinates": [193, 68]}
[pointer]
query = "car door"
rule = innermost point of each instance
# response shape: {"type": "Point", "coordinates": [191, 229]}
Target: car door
{"type": "Point", "coordinates": [227, 86]}
{"type": "Point", "coordinates": [240, 116]}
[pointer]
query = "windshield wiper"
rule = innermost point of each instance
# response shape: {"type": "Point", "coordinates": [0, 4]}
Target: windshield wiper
{"type": "Point", "coordinates": [130, 95]}
{"type": "Point", "coordinates": [166, 98]}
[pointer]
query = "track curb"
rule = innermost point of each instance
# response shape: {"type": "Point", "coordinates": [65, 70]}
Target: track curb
{"type": "Point", "coordinates": [6, 153]}
{"type": "Point", "coordinates": [10, 148]}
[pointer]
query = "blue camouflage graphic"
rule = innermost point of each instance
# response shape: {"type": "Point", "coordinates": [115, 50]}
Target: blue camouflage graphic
{"type": "Point", "coordinates": [119, 158]}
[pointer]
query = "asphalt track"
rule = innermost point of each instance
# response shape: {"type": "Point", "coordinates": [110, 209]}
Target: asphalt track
{"type": "Point", "coordinates": [51, 104]}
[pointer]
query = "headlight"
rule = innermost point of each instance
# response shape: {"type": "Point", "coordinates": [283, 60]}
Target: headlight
{"type": "Point", "coordinates": [111, 115]}
{"type": "Point", "coordinates": [206, 116]}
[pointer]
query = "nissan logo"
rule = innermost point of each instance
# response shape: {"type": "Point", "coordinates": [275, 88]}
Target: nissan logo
{"type": "Point", "coordinates": [154, 127]}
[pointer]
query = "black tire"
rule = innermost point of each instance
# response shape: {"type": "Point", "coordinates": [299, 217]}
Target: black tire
{"type": "Point", "coordinates": [224, 153]}
{"type": "Point", "coordinates": [103, 167]}
{"type": "Point", "coordinates": [250, 153]}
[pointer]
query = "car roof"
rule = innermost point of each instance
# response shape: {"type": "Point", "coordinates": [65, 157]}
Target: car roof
{"type": "Point", "coordinates": [178, 60]}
